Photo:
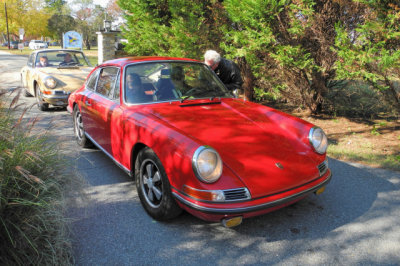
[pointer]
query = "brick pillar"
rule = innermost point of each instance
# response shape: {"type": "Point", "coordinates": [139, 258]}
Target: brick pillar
{"type": "Point", "coordinates": [106, 46]}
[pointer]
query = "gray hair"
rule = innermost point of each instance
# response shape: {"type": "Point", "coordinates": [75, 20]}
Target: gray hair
{"type": "Point", "coordinates": [211, 55]}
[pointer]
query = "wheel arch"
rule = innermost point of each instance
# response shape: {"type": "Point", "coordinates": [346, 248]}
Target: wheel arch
{"type": "Point", "coordinates": [73, 106]}
{"type": "Point", "coordinates": [134, 154]}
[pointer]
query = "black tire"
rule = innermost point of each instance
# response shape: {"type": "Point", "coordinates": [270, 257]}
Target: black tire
{"type": "Point", "coordinates": [39, 99]}
{"type": "Point", "coordinates": [25, 90]}
{"type": "Point", "coordinates": [153, 187]}
{"type": "Point", "coordinates": [79, 130]}
{"type": "Point", "coordinates": [27, 94]}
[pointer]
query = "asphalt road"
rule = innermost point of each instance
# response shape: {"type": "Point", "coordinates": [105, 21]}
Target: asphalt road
{"type": "Point", "coordinates": [355, 222]}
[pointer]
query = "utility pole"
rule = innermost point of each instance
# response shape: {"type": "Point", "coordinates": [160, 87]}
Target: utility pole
{"type": "Point", "coordinates": [8, 33]}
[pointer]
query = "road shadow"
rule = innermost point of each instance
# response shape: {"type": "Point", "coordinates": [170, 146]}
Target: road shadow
{"type": "Point", "coordinates": [117, 230]}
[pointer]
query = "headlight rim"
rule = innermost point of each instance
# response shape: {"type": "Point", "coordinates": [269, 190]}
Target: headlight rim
{"type": "Point", "coordinates": [310, 139]}
{"type": "Point", "coordinates": [46, 82]}
{"type": "Point", "coordinates": [196, 171]}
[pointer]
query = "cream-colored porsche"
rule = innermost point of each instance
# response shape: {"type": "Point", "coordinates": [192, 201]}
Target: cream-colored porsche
{"type": "Point", "coordinates": [52, 75]}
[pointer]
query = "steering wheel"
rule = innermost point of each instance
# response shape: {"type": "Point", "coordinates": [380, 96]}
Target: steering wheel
{"type": "Point", "coordinates": [68, 63]}
{"type": "Point", "coordinates": [191, 92]}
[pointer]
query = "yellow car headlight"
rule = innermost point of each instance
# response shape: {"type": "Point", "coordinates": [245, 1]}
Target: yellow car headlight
{"type": "Point", "coordinates": [50, 82]}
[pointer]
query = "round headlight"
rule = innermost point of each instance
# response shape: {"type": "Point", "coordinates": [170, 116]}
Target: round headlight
{"type": "Point", "coordinates": [207, 164]}
{"type": "Point", "coordinates": [318, 140]}
{"type": "Point", "coordinates": [50, 83]}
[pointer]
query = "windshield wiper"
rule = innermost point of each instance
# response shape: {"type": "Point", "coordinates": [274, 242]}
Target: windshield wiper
{"type": "Point", "coordinates": [185, 98]}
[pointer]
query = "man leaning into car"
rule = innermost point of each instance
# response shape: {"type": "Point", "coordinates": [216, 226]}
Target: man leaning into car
{"type": "Point", "coordinates": [227, 71]}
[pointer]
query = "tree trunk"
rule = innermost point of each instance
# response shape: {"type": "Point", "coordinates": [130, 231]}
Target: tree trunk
{"type": "Point", "coordinates": [248, 78]}
{"type": "Point", "coordinates": [318, 90]}
{"type": "Point", "coordinates": [61, 41]}
{"type": "Point", "coordinates": [87, 43]}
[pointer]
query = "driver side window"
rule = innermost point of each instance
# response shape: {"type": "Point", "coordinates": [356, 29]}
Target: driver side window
{"type": "Point", "coordinates": [31, 60]}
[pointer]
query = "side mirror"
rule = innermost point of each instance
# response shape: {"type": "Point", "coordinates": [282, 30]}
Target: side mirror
{"type": "Point", "coordinates": [237, 93]}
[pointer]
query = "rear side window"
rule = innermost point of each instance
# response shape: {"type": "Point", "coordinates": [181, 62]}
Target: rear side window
{"type": "Point", "coordinates": [31, 59]}
{"type": "Point", "coordinates": [106, 81]}
{"type": "Point", "coordinates": [91, 83]}
{"type": "Point", "coordinates": [115, 94]}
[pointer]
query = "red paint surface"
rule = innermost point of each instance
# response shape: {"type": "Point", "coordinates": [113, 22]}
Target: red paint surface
{"type": "Point", "coordinates": [250, 139]}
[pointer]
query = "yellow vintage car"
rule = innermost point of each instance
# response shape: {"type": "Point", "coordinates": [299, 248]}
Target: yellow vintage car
{"type": "Point", "coordinates": [52, 75]}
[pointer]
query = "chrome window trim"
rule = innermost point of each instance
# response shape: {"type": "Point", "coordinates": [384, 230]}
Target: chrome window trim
{"type": "Point", "coordinates": [161, 61]}
{"type": "Point", "coordinates": [95, 72]}
{"type": "Point", "coordinates": [63, 50]}
{"type": "Point", "coordinates": [97, 81]}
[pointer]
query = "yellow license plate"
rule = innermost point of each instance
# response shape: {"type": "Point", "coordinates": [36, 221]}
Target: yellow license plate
{"type": "Point", "coordinates": [320, 190]}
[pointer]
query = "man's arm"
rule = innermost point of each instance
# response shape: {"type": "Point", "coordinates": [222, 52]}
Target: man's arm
{"type": "Point", "coordinates": [236, 80]}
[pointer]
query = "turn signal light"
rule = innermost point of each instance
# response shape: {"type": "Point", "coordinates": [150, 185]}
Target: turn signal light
{"type": "Point", "coordinates": [208, 195]}
{"type": "Point", "coordinates": [231, 222]}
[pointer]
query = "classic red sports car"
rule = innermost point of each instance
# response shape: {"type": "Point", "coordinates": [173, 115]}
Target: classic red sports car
{"type": "Point", "coordinates": [190, 144]}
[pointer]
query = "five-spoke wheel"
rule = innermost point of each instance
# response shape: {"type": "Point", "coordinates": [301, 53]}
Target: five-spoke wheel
{"type": "Point", "coordinates": [79, 129]}
{"type": "Point", "coordinates": [152, 183]}
{"type": "Point", "coordinates": [153, 187]}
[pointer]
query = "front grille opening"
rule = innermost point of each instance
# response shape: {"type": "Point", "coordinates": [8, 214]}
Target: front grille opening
{"type": "Point", "coordinates": [236, 194]}
{"type": "Point", "coordinates": [323, 167]}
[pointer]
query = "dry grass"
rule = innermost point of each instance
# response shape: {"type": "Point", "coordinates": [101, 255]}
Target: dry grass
{"type": "Point", "coordinates": [33, 230]}
{"type": "Point", "coordinates": [371, 142]}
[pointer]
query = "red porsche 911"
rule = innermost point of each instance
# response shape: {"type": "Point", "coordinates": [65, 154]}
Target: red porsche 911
{"type": "Point", "coordinates": [190, 144]}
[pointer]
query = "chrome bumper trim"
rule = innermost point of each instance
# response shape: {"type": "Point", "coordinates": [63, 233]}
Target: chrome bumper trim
{"type": "Point", "coordinates": [55, 97]}
{"type": "Point", "coordinates": [251, 208]}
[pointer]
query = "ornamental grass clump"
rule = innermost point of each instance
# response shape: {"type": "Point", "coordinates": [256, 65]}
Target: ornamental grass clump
{"type": "Point", "coordinates": [33, 229]}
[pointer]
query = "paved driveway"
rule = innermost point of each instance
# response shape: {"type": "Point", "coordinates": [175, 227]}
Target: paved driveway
{"type": "Point", "coordinates": [355, 222]}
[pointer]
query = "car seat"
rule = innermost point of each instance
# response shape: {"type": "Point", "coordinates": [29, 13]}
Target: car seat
{"type": "Point", "coordinates": [165, 87]}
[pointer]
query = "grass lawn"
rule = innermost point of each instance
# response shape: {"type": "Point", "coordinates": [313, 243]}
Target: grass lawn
{"type": "Point", "coordinates": [374, 142]}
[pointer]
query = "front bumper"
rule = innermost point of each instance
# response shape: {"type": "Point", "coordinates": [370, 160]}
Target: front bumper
{"type": "Point", "coordinates": [56, 100]}
{"type": "Point", "coordinates": [217, 211]}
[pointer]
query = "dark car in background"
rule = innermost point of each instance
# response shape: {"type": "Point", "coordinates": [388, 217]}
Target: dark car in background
{"type": "Point", "coordinates": [14, 45]}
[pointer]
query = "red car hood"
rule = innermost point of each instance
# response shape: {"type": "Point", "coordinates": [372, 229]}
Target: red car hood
{"type": "Point", "coordinates": [266, 149]}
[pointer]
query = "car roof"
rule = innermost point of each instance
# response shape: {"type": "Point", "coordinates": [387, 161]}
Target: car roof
{"type": "Point", "coordinates": [55, 50]}
{"type": "Point", "coordinates": [136, 59]}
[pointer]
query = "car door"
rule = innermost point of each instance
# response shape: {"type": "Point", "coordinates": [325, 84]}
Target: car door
{"type": "Point", "coordinates": [103, 106]}
{"type": "Point", "coordinates": [86, 103]}
{"type": "Point", "coordinates": [26, 74]}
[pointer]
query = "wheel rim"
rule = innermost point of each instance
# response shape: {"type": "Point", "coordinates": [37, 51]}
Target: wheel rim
{"type": "Point", "coordinates": [78, 126]}
{"type": "Point", "coordinates": [151, 183]}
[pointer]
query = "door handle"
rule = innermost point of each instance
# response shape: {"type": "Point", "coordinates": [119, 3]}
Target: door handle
{"type": "Point", "coordinates": [87, 103]}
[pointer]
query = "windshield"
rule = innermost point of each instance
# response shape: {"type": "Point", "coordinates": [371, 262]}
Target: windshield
{"type": "Point", "coordinates": [169, 81]}
{"type": "Point", "coordinates": [61, 59]}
